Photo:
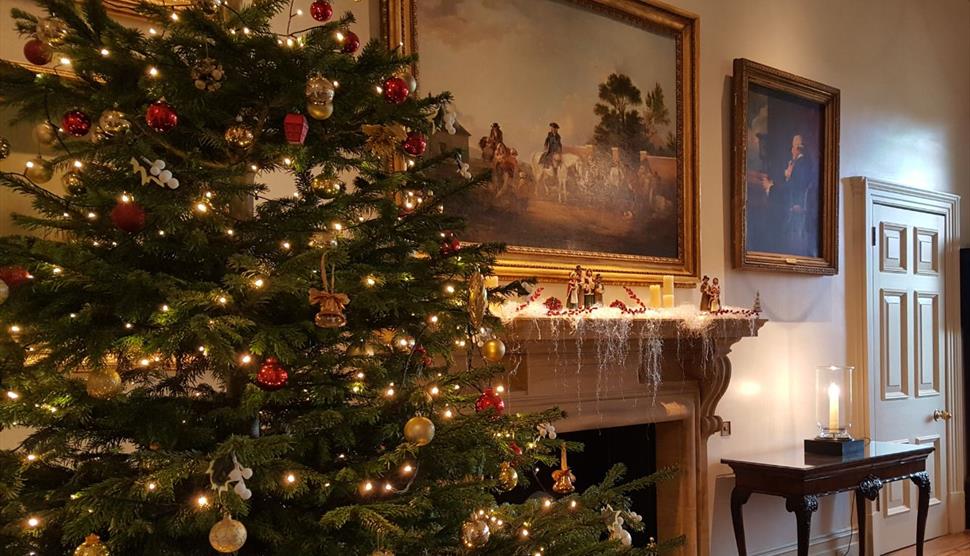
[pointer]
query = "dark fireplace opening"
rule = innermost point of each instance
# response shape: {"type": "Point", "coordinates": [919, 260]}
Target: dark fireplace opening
{"type": "Point", "coordinates": [634, 446]}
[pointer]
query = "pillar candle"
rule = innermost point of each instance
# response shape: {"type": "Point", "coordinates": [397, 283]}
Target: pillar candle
{"type": "Point", "coordinates": [655, 296]}
{"type": "Point", "coordinates": [834, 393]}
{"type": "Point", "coordinates": [669, 301]}
{"type": "Point", "coordinates": [668, 285]}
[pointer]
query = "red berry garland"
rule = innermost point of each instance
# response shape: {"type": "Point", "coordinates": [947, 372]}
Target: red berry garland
{"type": "Point", "coordinates": [490, 400]}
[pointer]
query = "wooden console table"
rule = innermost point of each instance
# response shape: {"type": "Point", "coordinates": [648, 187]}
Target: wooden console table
{"type": "Point", "coordinates": [801, 478]}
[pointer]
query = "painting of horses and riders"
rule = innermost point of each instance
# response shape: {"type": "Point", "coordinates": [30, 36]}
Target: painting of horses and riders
{"type": "Point", "coordinates": [575, 115]}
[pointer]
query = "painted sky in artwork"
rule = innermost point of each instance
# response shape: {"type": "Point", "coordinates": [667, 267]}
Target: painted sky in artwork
{"type": "Point", "coordinates": [525, 63]}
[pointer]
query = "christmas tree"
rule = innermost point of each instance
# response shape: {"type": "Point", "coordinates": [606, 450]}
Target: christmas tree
{"type": "Point", "coordinates": [300, 375]}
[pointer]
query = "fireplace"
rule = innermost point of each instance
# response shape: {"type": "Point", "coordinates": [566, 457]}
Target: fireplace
{"type": "Point", "coordinates": [661, 378]}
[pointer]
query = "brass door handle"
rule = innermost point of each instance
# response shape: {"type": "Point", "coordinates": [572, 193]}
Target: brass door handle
{"type": "Point", "coordinates": [942, 415]}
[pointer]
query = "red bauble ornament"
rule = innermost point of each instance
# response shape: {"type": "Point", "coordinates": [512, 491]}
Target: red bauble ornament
{"type": "Point", "coordinates": [161, 116]}
{"type": "Point", "coordinates": [490, 400]}
{"type": "Point", "coordinates": [415, 144]}
{"type": "Point", "coordinates": [396, 90]}
{"type": "Point", "coordinates": [295, 128]}
{"type": "Point", "coordinates": [76, 123]}
{"type": "Point", "coordinates": [321, 10]}
{"type": "Point", "coordinates": [14, 276]}
{"type": "Point", "coordinates": [128, 217]}
{"type": "Point", "coordinates": [38, 52]}
{"type": "Point", "coordinates": [351, 42]}
{"type": "Point", "coordinates": [450, 244]}
{"type": "Point", "coordinates": [271, 375]}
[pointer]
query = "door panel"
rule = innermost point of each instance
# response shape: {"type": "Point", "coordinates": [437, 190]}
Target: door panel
{"type": "Point", "coordinates": [908, 307]}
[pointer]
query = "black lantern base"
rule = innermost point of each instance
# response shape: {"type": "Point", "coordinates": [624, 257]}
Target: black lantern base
{"type": "Point", "coordinates": [839, 447]}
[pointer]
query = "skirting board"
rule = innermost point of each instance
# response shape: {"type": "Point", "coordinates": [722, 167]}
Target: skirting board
{"type": "Point", "coordinates": [831, 544]}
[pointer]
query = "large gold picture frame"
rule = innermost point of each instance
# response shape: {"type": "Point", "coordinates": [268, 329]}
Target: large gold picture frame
{"type": "Point", "coordinates": [400, 28]}
{"type": "Point", "coordinates": [784, 125]}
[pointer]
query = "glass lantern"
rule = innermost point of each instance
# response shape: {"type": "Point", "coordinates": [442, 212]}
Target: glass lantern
{"type": "Point", "coordinates": [833, 406]}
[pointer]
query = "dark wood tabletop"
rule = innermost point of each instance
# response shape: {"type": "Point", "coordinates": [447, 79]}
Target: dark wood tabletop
{"type": "Point", "coordinates": [802, 477]}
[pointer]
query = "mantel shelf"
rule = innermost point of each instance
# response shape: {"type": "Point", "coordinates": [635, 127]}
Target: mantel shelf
{"type": "Point", "coordinates": [720, 327]}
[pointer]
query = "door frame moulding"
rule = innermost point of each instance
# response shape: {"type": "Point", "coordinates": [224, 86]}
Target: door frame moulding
{"type": "Point", "coordinates": [861, 195]}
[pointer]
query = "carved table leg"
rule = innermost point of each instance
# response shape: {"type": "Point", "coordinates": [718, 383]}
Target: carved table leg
{"type": "Point", "coordinates": [869, 488]}
{"type": "Point", "coordinates": [739, 496]}
{"type": "Point", "coordinates": [922, 481]}
{"type": "Point", "coordinates": [803, 507]}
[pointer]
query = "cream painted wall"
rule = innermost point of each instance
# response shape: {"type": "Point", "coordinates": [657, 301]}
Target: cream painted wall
{"type": "Point", "coordinates": [904, 71]}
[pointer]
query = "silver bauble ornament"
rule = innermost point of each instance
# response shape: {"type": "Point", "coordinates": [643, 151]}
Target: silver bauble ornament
{"type": "Point", "coordinates": [114, 122]}
{"type": "Point", "coordinates": [45, 134]}
{"type": "Point", "coordinates": [52, 30]}
{"type": "Point", "coordinates": [319, 90]}
{"type": "Point", "coordinates": [475, 533]}
{"type": "Point", "coordinates": [228, 535]}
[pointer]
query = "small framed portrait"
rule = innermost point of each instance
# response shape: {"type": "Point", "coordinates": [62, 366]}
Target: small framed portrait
{"type": "Point", "coordinates": [785, 171]}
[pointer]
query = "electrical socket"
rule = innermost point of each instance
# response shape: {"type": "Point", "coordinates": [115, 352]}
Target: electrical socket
{"type": "Point", "coordinates": [726, 428]}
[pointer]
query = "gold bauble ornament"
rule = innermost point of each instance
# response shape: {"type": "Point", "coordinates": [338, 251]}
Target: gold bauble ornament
{"type": "Point", "coordinates": [92, 546]}
{"type": "Point", "coordinates": [475, 533]}
{"type": "Point", "coordinates": [319, 111]}
{"type": "Point", "coordinates": [240, 136]}
{"type": "Point", "coordinates": [52, 30]}
{"type": "Point", "coordinates": [508, 477]}
{"type": "Point", "coordinates": [103, 384]}
{"type": "Point", "coordinates": [493, 350]}
{"type": "Point", "coordinates": [228, 535]}
{"type": "Point", "coordinates": [382, 552]}
{"type": "Point", "coordinates": [38, 170]}
{"type": "Point", "coordinates": [319, 90]}
{"type": "Point", "coordinates": [114, 122]}
{"type": "Point", "coordinates": [72, 181]}
{"type": "Point", "coordinates": [45, 133]}
{"type": "Point", "coordinates": [419, 430]}
{"type": "Point", "coordinates": [328, 186]}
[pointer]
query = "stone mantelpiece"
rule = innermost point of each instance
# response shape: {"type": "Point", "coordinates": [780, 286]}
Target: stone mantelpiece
{"type": "Point", "coordinates": [609, 373]}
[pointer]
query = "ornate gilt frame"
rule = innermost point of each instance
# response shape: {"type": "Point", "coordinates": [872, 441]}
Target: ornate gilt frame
{"type": "Point", "coordinates": [399, 29]}
{"type": "Point", "coordinates": [747, 73]}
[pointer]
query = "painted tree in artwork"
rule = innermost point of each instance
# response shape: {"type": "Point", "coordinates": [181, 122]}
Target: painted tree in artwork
{"type": "Point", "coordinates": [656, 117]}
{"type": "Point", "coordinates": [621, 124]}
{"type": "Point", "coordinates": [305, 377]}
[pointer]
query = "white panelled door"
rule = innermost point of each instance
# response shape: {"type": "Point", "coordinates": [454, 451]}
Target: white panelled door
{"type": "Point", "coordinates": [907, 337]}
